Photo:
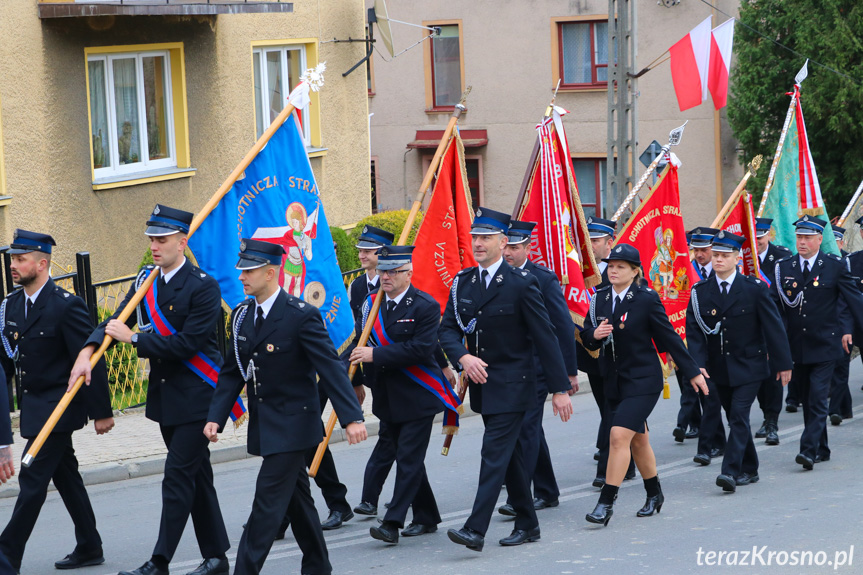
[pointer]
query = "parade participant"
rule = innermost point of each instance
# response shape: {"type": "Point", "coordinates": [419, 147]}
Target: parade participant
{"type": "Point", "coordinates": [409, 387]}
{"type": "Point", "coordinates": [537, 459]}
{"type": "Point", "coordinates": [499, 311]}
{"type": "Point", "coordinates": [278, 346]}
{"type": "Point", "coordinates": [178, 320]}
{"type": "Point", "coordinates": [627, 322]}
{"type": "Point", "coordinates": [840, 406]}
{"type": "Point", "coordinates": [43, 329]}
{"type": "Point", "coordinates": [816, 291]}
{"type": "Point", "coordinates": [732, 326]}
{"type": "Point", "coordinates": [770, 393]}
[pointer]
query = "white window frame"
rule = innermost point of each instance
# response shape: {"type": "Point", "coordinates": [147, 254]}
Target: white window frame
{"type": "Point", "coordinates": [261, 54]}
{"type": "Point", "coordinates": [145, 165]}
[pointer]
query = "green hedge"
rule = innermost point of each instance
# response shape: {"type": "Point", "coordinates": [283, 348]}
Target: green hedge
{"type": "Point", "coordinates": [393, 221]}
{"type": "Point", "coordinates": [345, 250]}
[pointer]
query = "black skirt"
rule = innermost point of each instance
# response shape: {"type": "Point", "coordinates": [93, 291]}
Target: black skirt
{"type": "Point", "coordinates": [632, 412]}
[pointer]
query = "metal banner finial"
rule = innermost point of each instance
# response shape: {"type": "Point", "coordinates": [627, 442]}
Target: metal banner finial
{"type": "Point", "coordinates": [676, 134]}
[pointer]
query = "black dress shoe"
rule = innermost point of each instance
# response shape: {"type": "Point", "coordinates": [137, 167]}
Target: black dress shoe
{"type": "Point", "coordinates": [835, 419]}
{"type": "Point", "coordinates": [790, 408]}
{"type": "Point", "coordinates": [415, 529]}
{"type": "Point", "coordinates": [366, 508]}
{"type": "Point", "coordinates": [519, 536]}
{"type": "Point", "coordinates": [747, 478]}
{"type": "Point", "coordinates": [507, 510]}
{"type": "Point", "coordinates": [805, 461]}
{"type": "Point", "coordinates": [819, 458]}
{"type": "Point", "coordinates": [727, 483]}
{"type": "Point", "coordinates": [692, 433]}
{"type": "Point", "coordinates": [762, 431]}
{"type": "Point", "coordinates": [75, 559]}
{"type": "Point", "coordinates": [387, 532]}
{"type": "Point", "coordinates": [212, 566]}
{"type": "Point", "coordinates": [772, 437]}
{"type": "Point", "coordinates": [679, 434]}
{"type": "Point", "coordinates": [467, 537]}
{"type": "Point", "coordinates": [601, 514]}
{"type": "Point", "coordinates": [598, 482]}
{"type": "Point", "coordinates": [596, 455]}
{"type": "Point", "coordinates": [335, 520]}
{"type": "Point", "coordinates": [540, 503]}
{"type": "Point", "coordinates": [716, 452]}
{"type": "Point", "coordinates": [702, 458]}
{"type": "Point", "coordinates": [653, 504]}
{"type": "Point", "coordinates": [148, 568]}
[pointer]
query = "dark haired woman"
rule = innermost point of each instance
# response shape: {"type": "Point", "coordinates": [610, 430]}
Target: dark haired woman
{"type": "Point", "coordinates": [625, 321]}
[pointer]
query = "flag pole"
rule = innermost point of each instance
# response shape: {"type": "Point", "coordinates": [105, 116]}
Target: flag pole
{"type": "Point", "coordinates": [751, 170]}
{"type": "Point", "coordinates": [64, 402]}
{"type": "Point", "coordinates": [850, 205]}
{"type": "Point", "coordinates": [528, 174]}
{"type": "Point", "coordinates": [403, 238]}
{"type": "Point", "coordinates": [776, 156]}
{"type": "Point", "coordinates": [673, 140]}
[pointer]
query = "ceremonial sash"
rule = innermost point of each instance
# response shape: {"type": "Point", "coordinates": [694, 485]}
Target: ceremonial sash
{"type": "Point", "coordinates": [200, 364]}
{"type": "Point", "coordinates": [763, 276]}
{"type": "Point", "coordinates": [436, 384]}
{"type": "Point", "coordinates": [697, 271]}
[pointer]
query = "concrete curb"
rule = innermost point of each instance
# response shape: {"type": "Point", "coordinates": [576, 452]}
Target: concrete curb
{"type": "Point", "coordinates": [155, 465]}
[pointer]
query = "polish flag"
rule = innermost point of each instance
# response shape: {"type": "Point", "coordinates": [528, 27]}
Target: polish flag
{"type": "Point", "coordinates": [721, 41]}
{"type": "Point", "coordinates": [690, 61]}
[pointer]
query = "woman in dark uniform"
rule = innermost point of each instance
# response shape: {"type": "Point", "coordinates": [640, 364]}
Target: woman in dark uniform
{"type": "Point", "coordinates": [625, 321]}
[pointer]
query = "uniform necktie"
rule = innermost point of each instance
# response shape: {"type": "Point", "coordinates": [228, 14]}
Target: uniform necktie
{"type": "Point", "coordinates": [162, 282]}
{"type": "Point", "coordinates": [483, 277]}
{"type": "Point", "coordinates": [27, 307]}
{"type": "Point", "coordinates": [259, 320]}
{"type": "Point", "coordinates": [703, 272]}
{"type": "Point", "coordinates": [805, 271]}
{"type": "Point", "coordinates": [616, 303]}
{"type": "Point", "coordinates": [371, 287]}
{"type": "Point", "coordinates": [724, 286]}
{"type": "Point", "coordinates": [391, 305]}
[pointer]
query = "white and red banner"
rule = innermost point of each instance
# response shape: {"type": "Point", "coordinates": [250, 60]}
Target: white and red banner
{"type": "Point", "coordinates": [740, 220]}
{"type": "Point", "coordinates": [701, 63]}
{"type": "Point", "coordinates": [721, 42]}
{"type": "Point", "coordinates": [810, 189]}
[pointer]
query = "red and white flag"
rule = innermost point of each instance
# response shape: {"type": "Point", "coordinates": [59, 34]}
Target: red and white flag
{"type": "Point", "coordinates": [722, 39]}
{"type": "Point", "coordinates": [810, 189]}
{"type": "Point", "coordinates": [690, 62]}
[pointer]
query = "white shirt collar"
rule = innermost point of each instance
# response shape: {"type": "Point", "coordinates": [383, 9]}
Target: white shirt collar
{"type": "Point", "coordinates": [375, 281]}
{"type": "Point", "coordinates": [602, 266]}
{"type": "Point", "coordinates": [167, 276]}
{"type": "Point", "coordinates": [524, 263]}
{"type": "Point", "coordinates": [622, 294]}
{"type": "Point", "coordinates": [708, 266]}
{"type": "Point", "coordinates": [492, 269]}
{"type": "Point", "coordinates": [729, 279]}
{"type": "Point", "coordinates": [810, 260]}
{"type": "Point", "coordinates": [35, 295]}
{"type": "Point", "coordinates": [399, 297]}
{"type": "Point", "coordinates": [268, 303]}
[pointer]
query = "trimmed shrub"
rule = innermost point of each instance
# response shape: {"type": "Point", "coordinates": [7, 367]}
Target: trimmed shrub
{"type": "Point", "coordinates": [392, 222]}
{"type": "Point", "coordinates": [345, 250]}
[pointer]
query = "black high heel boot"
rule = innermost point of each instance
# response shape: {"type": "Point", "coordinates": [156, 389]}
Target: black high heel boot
{"type": "Point", "coordinates": [655, 498]}
{"type": "Point", "coordinates": [603, 511]}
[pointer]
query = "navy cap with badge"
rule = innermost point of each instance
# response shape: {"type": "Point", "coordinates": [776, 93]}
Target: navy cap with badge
{"type": "Point", "coordinates": [809, 226]}
{"type": "Point", "coordinates": [372, 238]}
{"type": "Point", "coordinates": [838, 233]}
{"type": "Point", "coordinates": [489, 222]}
{"type": "Point", "coordinates": [625, 253]}
{"type": "Point", "coordinates": [166, 221]}
{"type": "Point", "coordinates": [24, 242]}
{"type": "Point", "coordinates": [256, 254]}
{"type": "Point", "coordinates": [519, 232]}
{"type": "Point", "coordinates": [762, 226]}
{"type": "Point", "coordinates": [598, 227]}
{"type": "Point", "coordinates": [702, 237]}
{"type": "Point", "coordinates": [727, 242]}
{"type": "Point", "coordinates": [392, 257]}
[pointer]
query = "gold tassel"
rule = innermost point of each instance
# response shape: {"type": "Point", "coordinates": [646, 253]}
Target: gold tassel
{"type": "Point", "coordinates": [666, 390]}
{"type": "Point", "coordinates": [460, 409]}
{"type": "Point", "coordinates": [241, 420]}
{"type": "Point", "coordinates": [449, 430]}
{"type": "Point", "coordinates": [594, 353]}
{"type": "Point", "coordinates": [812, 212]}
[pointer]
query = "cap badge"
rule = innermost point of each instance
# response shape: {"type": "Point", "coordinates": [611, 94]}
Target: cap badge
{"type": "Point", "coordinates": [366, 230]}
{"type": "Point", "coordinates": [721, 234]}
{"type": "Point", "coordinates": [242, 246]}
{"type": "Point", "coordinates": [479, 213]}
{"type": "Point", "coordinates": [618, 249]}
{"type": "Point", "coordinates": [156, 210]}
{"type": "Point", "coordinates": [15, 235]}
{"type": "Point", "coordinates": [385, 252]}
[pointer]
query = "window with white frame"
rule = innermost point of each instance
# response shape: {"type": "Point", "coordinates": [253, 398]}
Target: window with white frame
{"type": "Point", "coordinates": [277, 71]}
{"type": "Point", "coordinates": [131, 113]}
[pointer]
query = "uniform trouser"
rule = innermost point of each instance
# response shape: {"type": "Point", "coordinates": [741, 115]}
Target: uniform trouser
{"type": "Point", "coordinates": [378, 466]}
{"type": "Point", "coordinates": [502, 462]}
{"type": "Point", "coordinates": [770, 396]}
{"type": "Point", "coordinates": [793, 397]}
{"type": "Point", "coordinates": [691, 404]}
{"type": "Point", "coordinates": [597, 388]}
{"type": "Point", "coordinates": [327, 479]}
{"type": "Point", "coordinates": [740, 455]}
{"type": "Point", "coordinates": [282, 488]}
{"type": "Point", "coordinates": [411, 441]}
{"type": "Point", "coordinates": [840, 393]}
{"type": "Point", "coordinates": [56, 461]}
{"type": "Point", "coordinates": [712, 433]}
{"type": "Point", "coordinates": [6, 567]}
{"type": "Point", "coordinates": [187, 489]}
{"type": "Point", "coordinates": [814, 386]}
{"type": "Point", "coordinates": [534, 448]}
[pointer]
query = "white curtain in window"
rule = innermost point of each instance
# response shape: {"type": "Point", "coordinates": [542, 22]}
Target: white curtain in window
{"type": "Point", "coordinates": [274, 84]}
{"type": "Point", "coordinates": [575, 45]}
{"type": "Point", "coordinates": [99, 115]}
{"type": "Point", "coordinates": [126, 104]}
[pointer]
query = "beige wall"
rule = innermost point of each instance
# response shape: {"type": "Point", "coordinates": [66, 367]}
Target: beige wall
{"type": "Point", "coordinates": [45, 124]}
{"type": "Point", "coordinates": [507, 59]}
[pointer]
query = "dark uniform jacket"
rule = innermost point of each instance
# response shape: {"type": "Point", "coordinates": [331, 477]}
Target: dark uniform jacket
{"type": "Point", "coordinates": [191, 302]}
{"type": "Point", "coordinates": [751, 330]}
{"type": "Point", "coordinates": [48, 342]}
{"type": "Point", "coordinates": [558, 313]}
{"type": "Point", "coordinates": [628, 361]}
{"type": "Point", "coordinates": [586, 362]}
{"type": "Point", "coordinates": [5, 419]}
{"type": "Point", "coordinates": [291, 348]}
{"type": "Point", "coordinates": [412, 326]}
{"type": "Point", "coordinates": [818, 322]}
{"type": "Point", "coordinates": [774, 254]}
{"type": "Point", "coordinates": [358, 291]}
{"type": "Point", "coordinates": [511, 316]}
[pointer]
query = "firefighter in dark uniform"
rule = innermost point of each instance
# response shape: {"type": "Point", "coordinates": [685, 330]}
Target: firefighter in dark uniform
{"type": "Point", "coordinates": [500, 312]}
{"type": "Point", "coordinates": [732, 326]}
{"type": "Point", "coordinates": [43, 329]}
{"type": "Point", "coordinates": [816, 291]}
{"type": "Point", "coordinates": [404, 338]}
{"type": "Point", "coordinates": [178, 321]}
{"type": "Point", "coordinates": [278, 345]}
{"type": "Point", "coordinates": [840, 406]}
{"type": "Point", "coordinates": [537, 458]}
{"type": "Point", "coordinates": [770, 393]}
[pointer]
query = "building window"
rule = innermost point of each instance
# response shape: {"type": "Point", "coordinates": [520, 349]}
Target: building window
{"type": "Point", "coordinates": [580, 53]}
{"type": "Point", "coordinates": [590, 178]}
{"type": "Point", "coordinates": [444, 67]}
{"type": "Point", "coordinates": [277, 71]}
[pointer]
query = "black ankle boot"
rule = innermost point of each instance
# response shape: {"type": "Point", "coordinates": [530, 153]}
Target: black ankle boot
{"type": "Point", "coordinates": [655, 498]}
{"type": "Point", "coordinates": [603, 511]}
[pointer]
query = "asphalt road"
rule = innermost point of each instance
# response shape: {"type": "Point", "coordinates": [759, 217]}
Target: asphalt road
{"type": "Point", "coordinates": [810, 517]}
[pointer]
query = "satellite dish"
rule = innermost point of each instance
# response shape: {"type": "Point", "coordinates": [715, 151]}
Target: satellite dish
{"type": "Point", "coordinates": [383, 20]}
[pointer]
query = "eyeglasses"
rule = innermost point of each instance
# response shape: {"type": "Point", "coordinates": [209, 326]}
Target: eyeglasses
{"type": "Point", "coordinates": [391, 273]}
